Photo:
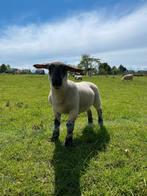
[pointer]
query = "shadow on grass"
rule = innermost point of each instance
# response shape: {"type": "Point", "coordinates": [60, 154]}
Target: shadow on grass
{"type": "Point", "coordinates": [70, 163]}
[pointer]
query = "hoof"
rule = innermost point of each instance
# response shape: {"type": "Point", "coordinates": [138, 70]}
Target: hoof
{"type": "Point", "coordinates": [90, 125]}
{"type": "Point", "coordinates": [68, 142]}
{"type": "Point", "coordinates": [101, 124]}
{"type": "Point", "coordinates": [53, 139]}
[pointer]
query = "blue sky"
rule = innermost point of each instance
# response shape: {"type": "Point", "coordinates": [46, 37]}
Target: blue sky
{"type": "Point", "coordinates": [34, 31]}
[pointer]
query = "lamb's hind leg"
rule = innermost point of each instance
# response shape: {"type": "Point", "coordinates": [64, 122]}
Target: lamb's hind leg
{"type": "Point", "coordinates": [89, 115]}
{"type": "Point", "coordinates": [100, 117]}
{"type": "Point", "coordinates": [98, 108]}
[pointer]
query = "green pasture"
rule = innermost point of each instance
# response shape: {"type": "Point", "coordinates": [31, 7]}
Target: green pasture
{"type": "Point", "coordinates": [111, 161]}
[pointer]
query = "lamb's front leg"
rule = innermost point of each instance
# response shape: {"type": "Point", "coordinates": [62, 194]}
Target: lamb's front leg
{"type": "Point", "coordinates": [70, 127]}
{"type": "Point", "coordinates": [56, 130]}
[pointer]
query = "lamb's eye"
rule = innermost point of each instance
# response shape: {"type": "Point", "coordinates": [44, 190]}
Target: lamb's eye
{"type": "Point", "coordinates": [64, 71]}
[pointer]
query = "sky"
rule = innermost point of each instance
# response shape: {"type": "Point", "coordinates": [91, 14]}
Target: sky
{"type": "Point", "coordinates": [40, 31]}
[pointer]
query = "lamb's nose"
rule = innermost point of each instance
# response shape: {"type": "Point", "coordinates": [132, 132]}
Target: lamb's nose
{"type": "Point", "coordinates": [57, 82]}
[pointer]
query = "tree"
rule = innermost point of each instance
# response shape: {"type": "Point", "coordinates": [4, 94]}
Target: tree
{"type": "Point", "coordinates": [3, 68]}
{"type": "Point", "coordinates": [85, 61]}
{"type": "Point", "coordinates": [122, 69]}
{"type": "Point", "coordinates": [114, 70]}
{"type": "Point", "coordinates": [104, 68]}
{"type": "Point", "coordinates": [8, 67]}
{"type": "Point", "coordinates": [102, 71]}
{"type": "Point", "coordinates": [89, 63]}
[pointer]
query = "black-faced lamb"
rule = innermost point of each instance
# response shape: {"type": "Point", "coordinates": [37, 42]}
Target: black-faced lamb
{"type": "Point", "coordinates": [69, 97]}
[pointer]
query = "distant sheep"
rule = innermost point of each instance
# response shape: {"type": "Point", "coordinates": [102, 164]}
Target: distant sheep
{"type": "Point", "coordinates": [127, 77]}
{"type": "Point", "coordinates": [69, 97]}
{"type": "Point", "coordinates": [78, 77]}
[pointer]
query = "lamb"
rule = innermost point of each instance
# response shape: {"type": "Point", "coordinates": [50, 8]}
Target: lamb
{"type": "Point", "coordinates": [70, 97]}
{"type": "Point", "coordinates": [78, 77]}
{"type": "Point", "coordinates": [127, 77]}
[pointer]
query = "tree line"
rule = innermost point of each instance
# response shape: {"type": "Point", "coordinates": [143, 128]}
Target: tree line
{"type": "Point", "coordinates": [90, 65]}
{"type": "Point", "coordinates": [94, 65]}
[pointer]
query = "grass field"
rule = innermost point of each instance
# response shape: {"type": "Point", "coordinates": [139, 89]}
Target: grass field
{"type": "Point", "coordinates": [111, 161]}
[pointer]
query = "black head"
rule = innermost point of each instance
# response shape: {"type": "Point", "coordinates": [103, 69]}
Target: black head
{"type": "Point", "coordinates": [57, 72]}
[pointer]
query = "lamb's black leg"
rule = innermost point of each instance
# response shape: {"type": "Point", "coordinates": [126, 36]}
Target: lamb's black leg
{"type": "Point", "coordinates": [90, 119]}
{"type": "Point", "coordinates": [69, 137]}
{"type": "Point", "coordinates": [100, 117]}
{"type": "Point", "coordinates": [56, 130]}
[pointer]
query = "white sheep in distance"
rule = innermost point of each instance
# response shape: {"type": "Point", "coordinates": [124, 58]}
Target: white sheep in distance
{"type": "Point", "coordinates": [69, 97]}
{"type": "Point", "coordinates": [127, 77]}
{"type": "Point", "coordinates": [78, 77]}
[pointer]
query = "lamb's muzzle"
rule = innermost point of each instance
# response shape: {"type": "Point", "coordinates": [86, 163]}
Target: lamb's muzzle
{"type": "Point", "coordinates": [69, 97]}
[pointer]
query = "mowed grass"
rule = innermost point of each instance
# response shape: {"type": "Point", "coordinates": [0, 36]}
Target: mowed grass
{"type": "Point", "coordinates": [110, 161]}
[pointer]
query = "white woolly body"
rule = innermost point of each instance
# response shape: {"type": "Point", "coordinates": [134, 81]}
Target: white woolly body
{"type": "Point", "coordinates": [74, 97]}
{"type": "Point", "coordinates": [127, 77]}
{"type": "Point", "coordinates": [78, 77]}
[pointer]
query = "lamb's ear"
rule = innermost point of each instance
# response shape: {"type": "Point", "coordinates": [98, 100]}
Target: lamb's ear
{"type": "Point", "coordinates": [42, 66]}
{"type": "Point", "coordinates": [73, 69]}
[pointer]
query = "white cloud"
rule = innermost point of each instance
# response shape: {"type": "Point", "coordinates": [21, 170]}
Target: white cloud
{"type": "Point", "coordinates": [120, 40]}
